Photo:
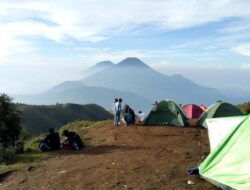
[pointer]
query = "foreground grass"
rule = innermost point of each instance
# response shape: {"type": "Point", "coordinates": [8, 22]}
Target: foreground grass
{"type": "Point", "coordinates": [26, 159]}
{"type": "Point", "coordinates": [32, 156]}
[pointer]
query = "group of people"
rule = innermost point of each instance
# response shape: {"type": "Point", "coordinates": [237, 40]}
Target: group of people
{"type": "Point", "coordinates": [73, 141]}
{"type": "Point", "coordinates": [129, 114]}
{"type": "Point", "coordinates": [52, 141]}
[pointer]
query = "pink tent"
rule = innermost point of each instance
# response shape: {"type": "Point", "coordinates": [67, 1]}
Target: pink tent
{"type": "Point", "coordinates": [192, 111]}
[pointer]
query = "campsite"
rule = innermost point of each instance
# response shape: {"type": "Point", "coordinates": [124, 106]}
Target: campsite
{"type": "Point", "coordinates": [145, 156]}
{"type": "Point", "coordinates": [124, 94]}
{"type": "Point", "coordinates": [121, 158]}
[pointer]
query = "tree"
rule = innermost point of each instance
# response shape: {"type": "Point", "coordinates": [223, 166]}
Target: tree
{"type": "Point", "coordinates": [10, 122]}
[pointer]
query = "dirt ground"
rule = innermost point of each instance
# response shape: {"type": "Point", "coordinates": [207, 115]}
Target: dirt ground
{"type": "Point", "coordinates": [150, 158]}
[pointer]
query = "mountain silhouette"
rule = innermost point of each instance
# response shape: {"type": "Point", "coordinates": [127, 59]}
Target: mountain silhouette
{"type": "Point", "coordinates": [134, 76]}
{"type": "Point", "coordinates": [96, 68]}
{"type": "Point", "coordinates": [132, 62]}
{"type": "Point", "coordinates": [138, 84]}
{"type": "Point", "coordinates": [79, 93]}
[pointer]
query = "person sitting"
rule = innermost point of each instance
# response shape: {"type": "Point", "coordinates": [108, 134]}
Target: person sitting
{"type": "Point", "coordinates": [50, 142]}
{"type": "Point", "coordinates": [131, 111]}
{"type": "Point", "coordinates": [73, 140]}
{"type": "Point", "coordinates": [129, 115]}
{"type": "Point", "coordinates": [127, 118]}
{"type": "Point", "coordinates": [141, 116]}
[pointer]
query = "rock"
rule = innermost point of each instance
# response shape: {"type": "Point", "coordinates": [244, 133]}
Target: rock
{"type": "Point", "coordinates": [61, 172]}
{"type": "Point", "coordinates": [31, 168]}
{"type": "Point", "coordinates": [22, 180]}
{"type": "Point", "coordinates": [189, 182]}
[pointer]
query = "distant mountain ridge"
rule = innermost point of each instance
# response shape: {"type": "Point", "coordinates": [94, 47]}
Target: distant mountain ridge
{"type": "Point", "coordinates": [138, 84]}
{"type": "Point", "coordinates": [66, 85]}
{"type": "Point", "coordinates": [79, 93]}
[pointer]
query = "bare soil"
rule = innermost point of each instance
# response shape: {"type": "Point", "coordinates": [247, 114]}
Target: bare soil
{"type": "Point", "coordinates": [136, 157]}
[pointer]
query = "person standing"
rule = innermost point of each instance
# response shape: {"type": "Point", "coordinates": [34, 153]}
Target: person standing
{"type": "Point", "coordinates": [118, 109]}
{"type": "Point", "coordinates": [113, 108]}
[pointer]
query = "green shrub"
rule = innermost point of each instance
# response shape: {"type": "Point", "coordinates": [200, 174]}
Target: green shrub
{"type": "Point", "coordinates": [10, 122]}
{"type": "Point", "coordinates": [6, 154]}
{"type": "Point", "coordinates": [248, 111]}
{"type": "Point", "coordinates": [19, 147]}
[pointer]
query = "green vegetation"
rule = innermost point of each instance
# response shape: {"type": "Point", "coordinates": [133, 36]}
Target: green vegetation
{"type": "Point", "coordinates": [18, 148]}
{"type": "Point", "coordinates": [10, 122]}
{"type": "Point", "coordinates": [10, 129]}
{"type": "Point", "coordinates": [26, 159]}
{"type": "Point", "coordinates": [245, 108]}
{"type": "Point", "coordinates": [32, 156]}
{"type": "Point", "coordinates": [38, 119]}
{"type": "Point", "coordinates": [80, 128]}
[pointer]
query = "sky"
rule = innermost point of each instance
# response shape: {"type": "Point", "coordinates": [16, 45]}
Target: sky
{"type": "Point", "coordinates": [44, 42]}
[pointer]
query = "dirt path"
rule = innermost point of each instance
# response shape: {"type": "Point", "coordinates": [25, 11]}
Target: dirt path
{"type": "Point", "coordinates": [123, 158]}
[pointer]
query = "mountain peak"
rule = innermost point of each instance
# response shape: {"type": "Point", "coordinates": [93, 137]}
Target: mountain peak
{"type": "Point", "coordinates": [132, 62]}
{"type": "Point", "coordinates": [104, 64]}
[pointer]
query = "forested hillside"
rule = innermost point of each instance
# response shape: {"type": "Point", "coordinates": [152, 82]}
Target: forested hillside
{"type": "Point", "coordinates": [39, 118]}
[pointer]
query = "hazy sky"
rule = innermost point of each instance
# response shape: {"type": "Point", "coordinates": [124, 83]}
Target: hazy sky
{"type": "Point", "coordinates": [46, 42]}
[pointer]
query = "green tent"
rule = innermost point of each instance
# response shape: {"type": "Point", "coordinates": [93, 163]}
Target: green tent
{"type": "Point", "coordinates": [219, 109]}
{"type": "Point", "coordinates": [228, 164]}
{"type": "Point", "coordinates": [166, 113]}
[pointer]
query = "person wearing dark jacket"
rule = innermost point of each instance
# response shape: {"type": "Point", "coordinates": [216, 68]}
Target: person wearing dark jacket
{"type": "Point", "coordinates": [73, 140]}
{"type": "Point", "coordinates": [50, 142]}
{"type": "Point", "coordinates": [131, 111]}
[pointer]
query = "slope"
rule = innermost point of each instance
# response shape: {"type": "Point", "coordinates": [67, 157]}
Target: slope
{"type": "Point", "coordinates": [121, 158]}
{"type": "Point", "coordinates": [38, 119]}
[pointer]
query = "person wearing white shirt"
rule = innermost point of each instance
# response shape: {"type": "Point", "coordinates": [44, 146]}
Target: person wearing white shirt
{"type": "Point", "coordinates": [141, 116]}
{"type": "Point", "coordinates": [113, 107]}
{"type": "Point", "coordinates": [118, 109]}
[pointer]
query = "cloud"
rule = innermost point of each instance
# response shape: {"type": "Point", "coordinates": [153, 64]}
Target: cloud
{"type": "Point", "coordinates": [12, 45]}
{"type": "Point", "coordinates": [94, 21]}
{"type": "Point", "coordinates": [96, 55]}
{"type": "Point", "coordinates": [243, 49]}
{"type": "Point", "coordinates": [245, 66]}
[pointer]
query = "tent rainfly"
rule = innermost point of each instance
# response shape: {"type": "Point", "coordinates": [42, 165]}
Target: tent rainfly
{"type": "Point", "coordinates": [192, 111]}
{"type": "Point", "coordinates": [166, 112]}
{"type": "Point", "coordinates": [228, 164]}
{"type": "Point", "coordinates": [219, 109]}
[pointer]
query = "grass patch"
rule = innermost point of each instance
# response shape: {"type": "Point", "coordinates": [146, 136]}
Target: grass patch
{"type": "Point", "coordinates": [25, 160]}
{"type": "Point", "coordinates": [32, 156]}
{"type": "Point", "coordinates": [81, 128]}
